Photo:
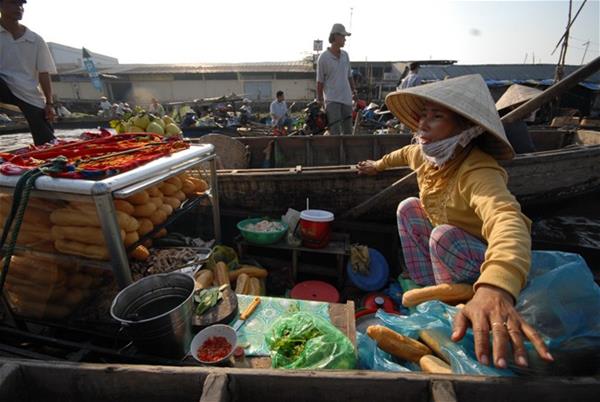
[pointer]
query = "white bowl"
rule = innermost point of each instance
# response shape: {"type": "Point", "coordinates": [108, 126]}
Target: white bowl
{"type": "Point", "coordinates": [214, 330]}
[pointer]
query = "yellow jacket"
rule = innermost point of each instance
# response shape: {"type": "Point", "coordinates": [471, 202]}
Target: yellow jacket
{"type": "Point", "coordinates": [470, 192]}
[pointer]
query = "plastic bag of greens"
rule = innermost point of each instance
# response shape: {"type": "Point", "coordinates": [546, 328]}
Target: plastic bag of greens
{"type": "Point", "coordinates": [305, 341]}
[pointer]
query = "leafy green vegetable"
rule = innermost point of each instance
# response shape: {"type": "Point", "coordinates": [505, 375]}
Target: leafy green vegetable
{"type": "Point", "coordinates": [207, 298]}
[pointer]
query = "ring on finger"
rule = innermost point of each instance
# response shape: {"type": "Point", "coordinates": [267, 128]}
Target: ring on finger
{"type": "Point", "coordinates": [502, 324]}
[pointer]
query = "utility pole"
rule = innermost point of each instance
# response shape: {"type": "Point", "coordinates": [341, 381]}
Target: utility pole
{"type": "Point", "coordinates": [525, 60]}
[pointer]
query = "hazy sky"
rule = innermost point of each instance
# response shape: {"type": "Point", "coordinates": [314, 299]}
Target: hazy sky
{"type": "Point", "coordinates": [201, 31]}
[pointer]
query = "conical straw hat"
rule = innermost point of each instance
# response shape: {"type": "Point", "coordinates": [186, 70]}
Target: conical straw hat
{"type": "Point", "coordinates": [468, 96]}
{"type": "Point", "coordinates": [515, 95]}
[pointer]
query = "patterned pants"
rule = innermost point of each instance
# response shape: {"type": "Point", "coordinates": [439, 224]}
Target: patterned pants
{"type": "Point", "coordinates": [444, 254]}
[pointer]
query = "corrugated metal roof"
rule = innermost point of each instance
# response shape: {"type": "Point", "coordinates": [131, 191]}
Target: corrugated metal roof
{"type": "Point", "coordinates": [274, 67]}
{"type": "Point", "coordinates": [500, 72]}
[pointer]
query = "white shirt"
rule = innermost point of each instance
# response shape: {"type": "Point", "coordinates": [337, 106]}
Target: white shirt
{"type": "Point", "coordinates": [334, 73]}
{"type": "Point", "coordinates": [105, 105]}
{"type": "Point", "coordinates": [21, 61]}
{"type": "Point", "coordinates": [411, 80]}
{"type": "Point", "coordinates": [278, 109]}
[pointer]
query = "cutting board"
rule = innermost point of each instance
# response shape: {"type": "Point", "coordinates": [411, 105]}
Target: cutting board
{"type": "Point", "coordinates": [221, 313]}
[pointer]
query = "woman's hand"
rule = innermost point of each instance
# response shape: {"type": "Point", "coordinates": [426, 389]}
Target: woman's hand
{"type": "Point", "coordinates": [367, 167]}
{"type": "Point", "coordinates": [492, 309]}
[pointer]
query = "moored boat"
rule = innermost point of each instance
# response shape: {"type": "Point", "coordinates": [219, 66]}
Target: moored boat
{"type": "Point", "coordinates": [323, 168]}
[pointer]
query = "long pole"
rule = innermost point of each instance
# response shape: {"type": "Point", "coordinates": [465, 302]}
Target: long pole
{"type": "Point", "coordinates": [570, 23]}
{"type": "Point", "coordinates": [558, 88]}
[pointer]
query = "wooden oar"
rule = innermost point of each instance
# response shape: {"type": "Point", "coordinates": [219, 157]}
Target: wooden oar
{"type": "Point", "coordinates": [371, 202]}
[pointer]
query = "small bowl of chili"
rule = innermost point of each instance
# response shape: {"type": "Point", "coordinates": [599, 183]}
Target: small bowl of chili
{"type": "Point", "coordinates": [214, 344]}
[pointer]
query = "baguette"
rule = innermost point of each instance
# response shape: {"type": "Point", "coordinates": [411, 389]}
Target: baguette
{"type": "Point", "coordinates": [167, 188]}
{"type": "Point", "coordinates": [167, 209]}
{"type": "Point", "coordinates": [431, 364]}
{"type": "Point", "coordinates": [254, 286]}
{"type": "Point", "coordinates": [130, 238]}
{"type": "Point", "coordinates": [241, 285]}
{"type": "Point", "coordinates": [398, 345]}
{"type": "Point", "coordinates": [175, 181]}
{"type": "Point", "coordinates": [32, 216]}
{"type": "Point", "coordinates": [42, 204]}
{"type": "Point", "coordinates": [204, 279]}
{"type": "Point", "coordinates": [155, 192]}
{"type": "Point", "coordinates": [81, 249]}
{"type": "Point", "coordinates": [221, 274]}
{"type": "Point", "coordinates": [84, 234]}
{"type": "Point", "coordinates": [75, 217]}
{"type": "Point", "coordinates": [432, 338]}
{"type": "Point", "coordinates": [140, 198]}
{"type": "Point", "coordinates": [158, 201]}
{"type": "Point", "coordinates": [124, 206]}
{"type": "Point", "coordinates": [33, 292]}
{"type": "Point", "coordinates": [180, 195]}
{"type": "Point", "coordinates": [144, 210]}
{"type": "Point", "coordinates": [448, 293]}
{"type": "Point", "coordinates": [172, 201]}
{"type": "Point", "coordinates": [146, 226]}
{"type": "Point", "coordinates": [248, 270]}
{"type": "Point", "coordinates": [158, 217]}
{"type": "Point", "coordinates": [36, 271]}
{"type": "Point", "coordinates": [188, 187]}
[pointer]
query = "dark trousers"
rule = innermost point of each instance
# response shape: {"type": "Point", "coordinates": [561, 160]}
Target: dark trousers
{"type": "Point", "coordinates": [41, 129]}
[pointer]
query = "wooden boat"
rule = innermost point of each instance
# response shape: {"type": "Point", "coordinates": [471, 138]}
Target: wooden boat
{"type": "Point", "coordinates": [322, 168]}
{"type": "Point", "coordinates": [25, 380]}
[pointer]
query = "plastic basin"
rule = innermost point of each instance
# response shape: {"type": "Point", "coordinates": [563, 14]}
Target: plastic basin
{"type": "Point", "coordinates": [261, 238]}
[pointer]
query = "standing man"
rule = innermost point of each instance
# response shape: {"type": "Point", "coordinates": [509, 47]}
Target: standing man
{"type": "Point", "coordinates": [335, 85]}
{"type": "Point", "coordinates": [279, 112]}
{"type": "Point", "coordinates": [25, 68]}
{"type": "Point", "coordinates": [412, 79]}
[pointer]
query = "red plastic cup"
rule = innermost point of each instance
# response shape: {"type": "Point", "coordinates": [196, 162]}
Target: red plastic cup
{"type": "Point", "coordinates": [315, 227]}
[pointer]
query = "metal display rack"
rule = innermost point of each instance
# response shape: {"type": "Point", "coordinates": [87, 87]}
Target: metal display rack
{"type": "Point", "coordinates": [121, 186]}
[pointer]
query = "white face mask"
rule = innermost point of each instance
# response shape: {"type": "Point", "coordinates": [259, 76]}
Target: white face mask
{"type": "Point", "coordinates": [440, 152]}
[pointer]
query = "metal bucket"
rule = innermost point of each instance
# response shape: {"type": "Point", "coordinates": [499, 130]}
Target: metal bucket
{"type": "Point", "coordinates": [156, 312]}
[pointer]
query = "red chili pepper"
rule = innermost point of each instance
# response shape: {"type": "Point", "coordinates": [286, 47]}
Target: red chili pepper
{"type": "Point", "coordinates": [214, 349]}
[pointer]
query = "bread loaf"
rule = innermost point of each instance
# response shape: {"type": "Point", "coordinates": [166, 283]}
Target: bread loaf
{"type": "Point", "coordinates": [172, 201]}
{"type": "Point", "coordinates": [81, 249]}
{"type": "Point", "coordinates": [448, 293]}
{"type": "Point", "coordinates": [140, 198]}
{"type": "Point", "coordinates": [84, 234]}
{"type": "Point", "coordinates": [241, 284]}
{"type": "Point", "coordinates": [431, 364]}
{"type": "Point", "coordinates": [124, 206]}
{"type": "Point", "coordinates": [400, 346]}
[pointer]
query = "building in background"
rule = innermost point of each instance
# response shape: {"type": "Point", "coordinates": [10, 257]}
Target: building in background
{"type": "Point", "coordinates": [139, 83]}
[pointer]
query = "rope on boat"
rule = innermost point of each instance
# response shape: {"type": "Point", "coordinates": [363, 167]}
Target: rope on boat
{"type": "Point", "coordinates": [13, 222]}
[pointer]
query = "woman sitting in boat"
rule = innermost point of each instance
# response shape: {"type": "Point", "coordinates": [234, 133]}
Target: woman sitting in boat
{"type": "Point", "coordinates": [466, 227]}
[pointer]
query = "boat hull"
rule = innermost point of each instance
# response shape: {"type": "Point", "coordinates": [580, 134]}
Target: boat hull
{"type": "Point", "coordinates": [536, 178]}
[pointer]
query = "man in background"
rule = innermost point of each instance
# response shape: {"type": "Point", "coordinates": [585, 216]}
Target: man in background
{"type": "Point", "coordinates": [412, 79]}
{"type": "Point", "coordinates": [156, 108]}
{"type": "Point", "coordinates": [335, 85]}
{"type": "Point", "coordinates": [25, 68]}
{"type": "Point", "coordinates": [279, 112]}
